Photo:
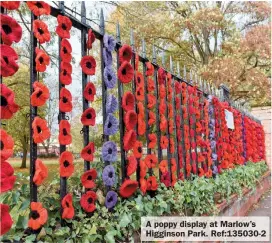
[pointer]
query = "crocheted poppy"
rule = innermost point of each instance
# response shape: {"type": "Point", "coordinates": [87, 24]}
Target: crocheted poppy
{"type": "Point", "coordinates": [87, 201]}
{"type": "Point", "coordinates": [139, 93]}
{"type": "Point", "coordinates": [162, 107]}
{"type": "Point", "coordinates": [172, 145]}
{"type": "Point", "coordinates": [150, 85]}
{"type": "Point", "coordinates": [65, 50]}
{"type": "Point", "coordinates": [125, 72]}
{"type": "Point", "coordinates": [162, 92]}
{"type": "Point", "coordinates": [90, 39]}
{"type": "Point", "coordinates": [143, 185]}
{"type": "Point", "coordinates": [177, 87]}
{"type": "Point", "coordinates": [130, 119]}
{"type": "Point", "coordinates": [129, 139]}
{"type": "Point", "coordinates": [163, 166]}
{"type": "Point", "coordinates": [161, 75]}
{"type": "Point", "coordinates": [41, 31]}
{"type": "Point", "coordinates": [68, 210]}
{"type": "Point", "coordinates": [173, 165]}
{"type": "Point", "coordinates": [41, 172]}
{"type": "Point", "coordinates": [151, 160]}
{"type": "Point", "coordinates": [143, 169]}
{"type": "Point", "coordinates": [164, 142]}
{"type": "Point", "coordinates": [66, 164]}
{"type": "Point", "coordinates": [88, 117]}
{"type": "Point", "coordinates": [65, 73]}
{"type": "Point", "coordinates": [89, 92]}
{"type": "Point", "coordinates": [88, 65]}
{"type": "Point", "coordinates": [65, 137]}
{"type": "Point", "coordinates": [170, 111]}
{"type": "Point", "coordinates": [151, 101]}
{"type": "Point", "coordinates": [149, 69]}
{"type": "Point", "coordinates": [125, 53]}
{"type": "Point", "coordinates": [40, 130]}
{"type": "Point", "coordinates": [165, 178]}
{"type": "Point", "coordinates": [65, 100]}
{"type": "Point", "coordinates": [87, 179]}
{"type": "Point", "coordinates": [109, 77]}
{"type": "Point", "coordinates": [111, 103]}
{"type": "Point", "coordinates": [152, 184]}
{"type": "Point", "coordinates": [141, 126]}
{"type": "Point", "coordinates": [111, 125]}
{"type": "Point", "coordinates": [107, 57]}
{"type": "Point", "coordinates": [171, 126]}
{"type": "Point", "coordinates": [138, 149]}
{"type": "Point", "coordinates": [64, 26]}
{"type": "Point", "coordinates": [141, 109]}
{"type": "Point", "coordinates": [38, 216]}
{"type": "Point", "coordinates": [6, 220]}
{"type": "Point", "coordinates": [8, 106]}
{"type": "Point", "coordinates": [42, 60]}
{"type": "Point", "coordinates": [108, 175]}
{"type": "Point", "coordinates": [128, 188]}
{"type": "Point", "coordinates": [131, 165]}
{"type": "Point", "coordinates": [109, 151]}
{"type": "Point", "coordinates": [40, 94]}
{"type": "Point", "coordinates": [7, 179]}
{"type": "Point", "coordinates": [39, 8]}
{"type": "Point", "coordinates": [87, 153]}
{"type": "Point", "coordinates": [139, 80]}
{"type": "Point", "coordinates": [10, 30]}
{"type": "Point", "coordinates": [109, 42]}
{"type": "Point", "coordinates": [152, 140]}
{"type": "Point", "coordinates": [163, 123]}
{"type": "Point", "coordinates": [10, 5]}
{"type": "Point", "coordinates": [8, 61]}
{"type": "Point", "coordinates": [128, 101]}
{"type": "Point", "coordinates": [7, 144]}
{"type": "Point", "coordinates": [151, 118]}
{"type": "Point", "coordinates": [111, 199]}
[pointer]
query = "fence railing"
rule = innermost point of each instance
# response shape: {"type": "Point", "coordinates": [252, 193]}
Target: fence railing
{"type": "Point", "coordinates": [180, 120]}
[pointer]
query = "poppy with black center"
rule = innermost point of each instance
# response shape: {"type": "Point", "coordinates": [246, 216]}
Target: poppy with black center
{"type": "Point", "coordinates": [10, 5]}
{"type": "Point", "coordinates": [164, 142]}
{"type": "Point", "coordinates": [88, 117]}
{"type": "Point", "coordinates": [40, 94]}
{"type": "Point", "coordinates": [125, 53]}
{"type": "Point", "coordinates": [40, 130]}
{"type": "Point", "coordinates": [41, 31]}
{"type": "Point", "coordinates": [7, 179]}
{"type": "Point", "coordinates": [128, 101]}
{"type": "Point", "coordinates": [65, 102]}
{"type": "Point", "coordinates": [130, 119]}
{"type": "Point", "coordinates": [38, 216]}
{"type": "Point", "coordinates": [149, 69]}
{"type": "Point", "coordinates": [66, 164]}
{"type": "Point", "coordinates": [88, 65]}
{"type": "Point", "coordinates": [89, 92]}
{"type": "Point", "coordinates": [87, 179]}
{"type": "Point", "coordinates": [87, 201]}
{"type": "Point", "coordinates": [65, 73]}
{"type": "Point", "coordinates": [68, 210]}
{"type": "Point", "coordinates": [152, 184]}
{"type": "Point", "coordinates": [65, 50]}
{"type": "Point", "coordinates": [42, 60]}
{"type": "Point", "coordinates": [9, 57]}
{"type": "Point", "coordinates": [138, 149]}
{"type": "Point", "coordinates": [64, 26]}
{"type": "Point", "coordinates": [39, 8]}
{"type": "Point", "coordinates": [129, 139]}
{"type": "Point", "coordinates": [41, 172]}
{"type": "Point", "coordinates": [6, 145]}
{"type": "Point", "coordinates": [151, 161]}
{"type": "Point", "coordinates": [65, 137]}
{"type": "Point", "coordinates": [128, 188]}
{"type": "Point", "coordinates": [139, 79]}
{"type": "Point", "coordinates": [140, 93]}
{"type": "Point", "coordinates": [125, 72]}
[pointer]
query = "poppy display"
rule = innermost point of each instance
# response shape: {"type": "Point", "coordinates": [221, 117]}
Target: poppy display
{"type": "Point", "coordinates": [138, 149]}
{"type": "Point", "coordinates": [9, 57]}
{"type": "Point", "coordinates": [41, 31]}
{"type": "Point", "coordinates": [111, 125]}
{"type": "Point", "coordinates": [129, 139]}
{"type": "Point", "coordinates": [152, 184]}
{"type": "Point", "coordinates": [151, 118]}
{"type": "Point", "coordinates": [10, 5]}
{"type": "Point", "coordinates": [109, 151]}
{"type": "Point", "coordinates": [109, 42]}
{"type": "Point", "coordinates": [42, 60]}
{"type": "Point", "coordinates": [65, 73]}
{"type": "Point", "coordinates": [151, 101]}
{"type": "Point", "coordinates": [109, 77]}
{"type": "Point", "coordinates": [130, 119]}
{"type": "Point", "coordinates": [125, 53]}
{"type": "Point", "coordinates": [65, 137]}
{"type": "Point", "coordinates": [161, 76]}
{"type": "Point", "coordinates": [107, 57]}
{"type": "Point", "coordinates": [141, 109]}
{"type": "Point", "coordinates": [66, 168]}
{"type": "Point", "coordinates": [87, 153]}
{"type": "Point", "coordinates": [143, 185]}
{"type": "Point", "coordinates": [164, 142]}
{"type": "Point", "coordinates": [87, 179]}
{"type": "Point", "coordinates": [131, 165]}
{"type": "Point", "coordinates": [150, 85]}
{"type": "Point", "coordinates": [38, 216]}
{"type": "Point", "coordinates": [65, 100]}
{"type": "Point", "coordinates": [87, 201]}
{"type": "Point", "coordinates": [6, 220]}
{"type": "Point", "coordinates": [68, 210]}
{"type": "Point", "coordinates": [41, 172]}
{"type": "Point", "coordinates": [165, 178]}
{"type": "Point", "coordinates": [7, 179]}
{"type": "Point", "coordinates": [139, 93]}
{"type": "Point", "coordinates": [65, 50]}
{"type": "Point", "coordinates": [172, 145]}
{"type": "Point", "coordinates": [39, 8]}
{"type": "Point", "coordinates": [64, 27]}
{"type": "Point", "coordinates": [139, 80]}
{"type": "Point", "coordinates": [88, 117]}
{"type": "Point", "coordinates": [162, 91]}
{"type": "Point", "coordinates": [162, 107]}
{"type": "Point", "coordinates": [8, 106]}
{"type": "Point", "coordinates": [152, 140]}
{"type": "Point", "coordinates": [141, 126]}
{"type": "Point", "coordinates": [125, 72]}
{"type": "Point", "coordinates": [163, 123]}
{"type": "Point", "coordinates": [163, 166]}
{"type": "Point", "coordinates": [7, 144]}
{"type": "Point", "coordinates": [10, 30]}
{"type": "Point", "coordinates": [40, 94]}
{"type": "Point", "coordinates": [111, 199]}
{"type": "Point", "coordinates": [111, 104]}
{"type": "Point", "coordinates": [108, 175]}
{"type": "Point", "coordinates": [40, 130]}
{"type": "Point", "coordinates": [128, 188]}
{"type": "Point", "coordinates": [88, 65]}
{"type": "Point", "coordinates": [151, 160]}
{"type": "Point", "coordinates": [149, 69]}
{"type": "Point", "coordinates": [128, 101]}
{"type": "Point", "coordinates": [143, 168]}
{"type": "Point", "coordinates": [89, 92]}
{"type": "Point", "coordinates": [90, 39]}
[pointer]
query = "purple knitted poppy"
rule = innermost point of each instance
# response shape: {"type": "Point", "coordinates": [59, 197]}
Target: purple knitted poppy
{"type": "Point", "coordinates": [212, 134]}
{"type": "Point", "coordinates": [109, 77]}
{"type": "Point", "coordinates": [107, 57]}
{"type": "Point", "coordinates": [111, 104]}
{"type": "Point", "coordinates": [111, 125]}
{"type": "Point", "coordinates": [214, 156]}
{"type": "Point", "coordinates": [109, 151]}
{"type": "Point", "coordinates": [108, 175]}
{"type": "Point", "coordinates": [109, 42]}
{"type": "Point", "coordinates": [215, 170]}
{"type": "Point", "coordinates": [111, 199]}
{"type": "Point", "coordinates": [213, 144]}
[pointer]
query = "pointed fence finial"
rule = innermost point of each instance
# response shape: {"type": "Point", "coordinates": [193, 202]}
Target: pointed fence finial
{"type": "Point", "coordinates": [61, 7]}
{"type": "Point", "coordinates": [208, 88]}
{"type": "Point", "coordinates": [118, 34]}
{"type": "Point", "coordinates": [154, 55]}
{"type": "Point", "coordinates": [204, 86]}
{"type": "Point", "coordinates": [171, 65]}
{"type": "Point", "coordinates": [163, 58]}
{"type": "Point", "coordinates": [184, 73]}
{"type": "Point", "coordinates": [178, 69]}
{"type": "Point", "coordinates": [102, 21]}
{"type": "Point", "coordinates": [132, 39]}
{"type": "Point", "coordinates": [143, 48]}
{"type": "Point", "coordinates": [191, 77]}
{"type": "Point", "coordinates": [83, 12]}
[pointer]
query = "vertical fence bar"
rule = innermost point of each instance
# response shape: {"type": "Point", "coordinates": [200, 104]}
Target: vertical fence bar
{"type": "Point", "coordinates": [33, 113]}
